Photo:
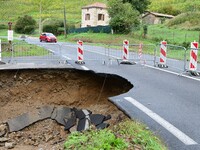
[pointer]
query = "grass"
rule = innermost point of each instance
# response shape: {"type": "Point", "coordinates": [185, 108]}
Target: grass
{"type": "Point", "coordinates": [126, 135]}
{"type": "Point", "coordinates": [23, 49]}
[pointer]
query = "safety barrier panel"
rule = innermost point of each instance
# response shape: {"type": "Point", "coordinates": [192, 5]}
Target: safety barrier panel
{"type": "Point", "coordinates": [40, 53]}
{"type": "Point", "coordinates": [6, 52]}
{"type": "Point", "coordinates": [113, 54]}
{"type": "Point", "coordinates": [137, 53]}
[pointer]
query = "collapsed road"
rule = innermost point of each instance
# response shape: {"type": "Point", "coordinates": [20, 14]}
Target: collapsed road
{"type": "Point", "coordinates": [38, 105]}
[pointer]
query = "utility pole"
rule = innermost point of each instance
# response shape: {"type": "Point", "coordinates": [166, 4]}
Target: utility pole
{"type": "Point", "coordinates": [65, 26]}
{"type": "Point", "coordinates": [40, 21]}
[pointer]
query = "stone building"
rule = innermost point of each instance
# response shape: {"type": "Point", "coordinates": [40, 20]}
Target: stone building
{"type": "Point", "coordinates": [95, 15]}
{"type": "Point", "coordinates": [155, 18]}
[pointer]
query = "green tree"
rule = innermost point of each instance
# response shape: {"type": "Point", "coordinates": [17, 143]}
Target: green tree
{"type": "Point", "coordinates": [123, 16]}
{"type": "Point", "coordinates": [25, 25]}
{"type": "Point", "coordinates": [139, 5]}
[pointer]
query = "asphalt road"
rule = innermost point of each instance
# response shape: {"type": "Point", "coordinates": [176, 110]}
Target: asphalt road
{"type": "Point", "coordinates": [165, 99]}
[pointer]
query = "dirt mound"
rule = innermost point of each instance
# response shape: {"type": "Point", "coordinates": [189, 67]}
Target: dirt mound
{"type": "Point", "coordinates": [25, 90]}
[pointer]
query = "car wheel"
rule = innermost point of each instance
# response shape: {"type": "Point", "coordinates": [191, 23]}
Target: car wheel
{"type": "Point", "coordinates": [40, 40]}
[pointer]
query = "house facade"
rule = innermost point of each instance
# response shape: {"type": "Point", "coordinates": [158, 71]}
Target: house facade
{"type": "Point", "coordinates": [95, 15]}
{"type": "Point", "coordinates": [155, 18]}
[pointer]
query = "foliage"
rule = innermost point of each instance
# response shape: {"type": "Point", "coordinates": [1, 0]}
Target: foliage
{"type": "Point", "coordinates": [25, 25]}
{"type": "Point", "coordinates": [123, 136]}
{"type": "Point", "coordinates": [123, 16]}
{"type": "Point", "coordinates": [50, 28]}
{"type": "Point", "coordinates": [189, 20]}
{"type": "Point", "coordinates": [99, 139]}
{"type": "Point", "coordinates": [177, 6]}
{"type": "Point", "coordinates": [169, 9]}
{"type": "Point", "coordinates": [138, 134]}
{"type": "Point", "coordinates": [139, 5]}
{"type": "Point", "coordinates": [3, 26]}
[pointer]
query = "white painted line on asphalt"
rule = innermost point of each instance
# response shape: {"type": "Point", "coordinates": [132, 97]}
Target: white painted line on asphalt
{"type": "Point", "coordinates": [67, 57]}
{"type": "Point", "coordinates": [172, 129]}
{"type": "Point", "coordinates": [178, 74]}
{"type": "Point", "coordinates": [85, 68]}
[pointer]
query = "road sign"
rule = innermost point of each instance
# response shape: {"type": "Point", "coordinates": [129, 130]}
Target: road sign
{"type": "Point", "coordinates": [10, 35]}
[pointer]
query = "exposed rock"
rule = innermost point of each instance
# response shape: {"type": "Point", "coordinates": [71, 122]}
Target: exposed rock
{"type": "Point", "coordinates": [4, 139]}
{"type": "Point", "coordinates": [3, 130]}
{"type": "Point", "coordinates": [9, 145]}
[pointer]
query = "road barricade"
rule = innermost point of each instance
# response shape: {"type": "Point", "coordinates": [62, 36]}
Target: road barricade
{"type": "Point", "coordinates": [174, 58]}
{"type": "Point", "coordinates": [193, 58]}
{"type": "Point", "coordinates": [138, 53]}
{"type": "Point", "coordinates": [80, 53]}
{"type": "Point", "coordinates": [5, 52]}
{"type": "Point", "coordinates": [44, 53]}
{"type": "Point", "coordinates": [163, 55]}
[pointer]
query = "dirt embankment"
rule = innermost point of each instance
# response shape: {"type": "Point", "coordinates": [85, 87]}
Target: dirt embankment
{"type": "Point", "coordinates": [25, 90]}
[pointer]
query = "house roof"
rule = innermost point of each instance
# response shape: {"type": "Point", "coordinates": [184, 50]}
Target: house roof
{"type": "Point", "coordinates": [157, 14]}
{"type": "Point", "coordinates": [95, 5]}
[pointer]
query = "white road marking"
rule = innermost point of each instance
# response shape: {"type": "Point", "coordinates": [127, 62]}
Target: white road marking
{"type": "Point", "coordinates": [85, 68]}
{"type": "Point", "coordinates": [172, 129]}
{"type": "Point", "coordinates": [178, 74]}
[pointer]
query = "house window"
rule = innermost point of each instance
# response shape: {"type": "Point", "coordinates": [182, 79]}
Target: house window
{"type": "Point", "coordinates": [100, 17]}
{"type": "Point", "coordinates": [87, 16]}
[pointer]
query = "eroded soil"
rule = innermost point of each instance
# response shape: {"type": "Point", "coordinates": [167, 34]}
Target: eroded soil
{"type": "Point", "coordinates": [25, 90]}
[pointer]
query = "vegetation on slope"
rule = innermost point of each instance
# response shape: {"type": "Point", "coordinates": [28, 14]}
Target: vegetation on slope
{"type": "Point", "coordinates": [127, 135]}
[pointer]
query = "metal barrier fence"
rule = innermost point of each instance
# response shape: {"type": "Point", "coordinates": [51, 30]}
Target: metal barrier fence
{"type": "Point", "coordinates": [178, 57]}
{"type": "Point", "coordinates": [23, 52]}
{"type": "Point", "coordinates": [6, 52]}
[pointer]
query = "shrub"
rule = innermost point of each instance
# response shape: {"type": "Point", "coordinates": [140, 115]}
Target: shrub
{"type": "Point", "coordinates": [25, 25]}
{"type": "Point", "coordinates": [51, 28]}
{"type": "Point", "coordinates": [3, 26]}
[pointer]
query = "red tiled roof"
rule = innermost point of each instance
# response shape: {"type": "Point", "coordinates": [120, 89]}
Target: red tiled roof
{"type": "Point", "coordinates": [96, 5]}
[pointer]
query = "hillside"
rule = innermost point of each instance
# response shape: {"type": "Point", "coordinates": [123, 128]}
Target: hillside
{"type": "Point", "coordinates": [10, 10]}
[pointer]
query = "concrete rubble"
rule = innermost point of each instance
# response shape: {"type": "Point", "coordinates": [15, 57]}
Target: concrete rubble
{"type": "Point", "coordinates": [72, 119]}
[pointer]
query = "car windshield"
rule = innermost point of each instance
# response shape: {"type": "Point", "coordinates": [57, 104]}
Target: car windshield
{"type": "Point", "coordinates": [49, 34]}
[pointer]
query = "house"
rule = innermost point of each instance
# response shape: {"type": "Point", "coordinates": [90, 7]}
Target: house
{"type": "Point", "coordinates": [95, 15]}
{"type": "Point", "coordinates": [155, 18]}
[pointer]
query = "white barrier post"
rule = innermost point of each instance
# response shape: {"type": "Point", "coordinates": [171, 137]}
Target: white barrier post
{"type": "Point", "coordinates": [125, 55]}
{"type": "Point", "coordinates": [80, 53]}
{"type": "Point", "coordinates": [193, 57]}
{"type": "Point", "coordinates": [140, 54]}
{"type": "Point", "coordinates": [163, 55]}
{"type": "Point", "coordinates": [125, 50]}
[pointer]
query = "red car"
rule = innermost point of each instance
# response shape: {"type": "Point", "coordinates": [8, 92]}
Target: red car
{"type": "Point", "coordinates": [48, 37]}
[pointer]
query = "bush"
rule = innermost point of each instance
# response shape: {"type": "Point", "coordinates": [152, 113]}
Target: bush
{"type": "Point", "coordinates": [25, 25]}
{"type": "Point", "coordinates": [3, 26]}
{"type": "Point", "coordinates": [51, 28]}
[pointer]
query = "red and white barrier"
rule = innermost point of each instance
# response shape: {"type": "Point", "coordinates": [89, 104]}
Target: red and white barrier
{"type": "Point", "coordinates": [140, 51]}
{"type": "Point", "coordinates": [125, 56]}
{"type": "Point", "coordinates": [0, 49]}
{"type": "Point", "coordinates": [80, 52]}
{"type": "Point", "coordinates": [140, 54]}
{"type": "Point", "coordinates": [163, 54]}
{"type": "Point", "coordinates": [193, 56]}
